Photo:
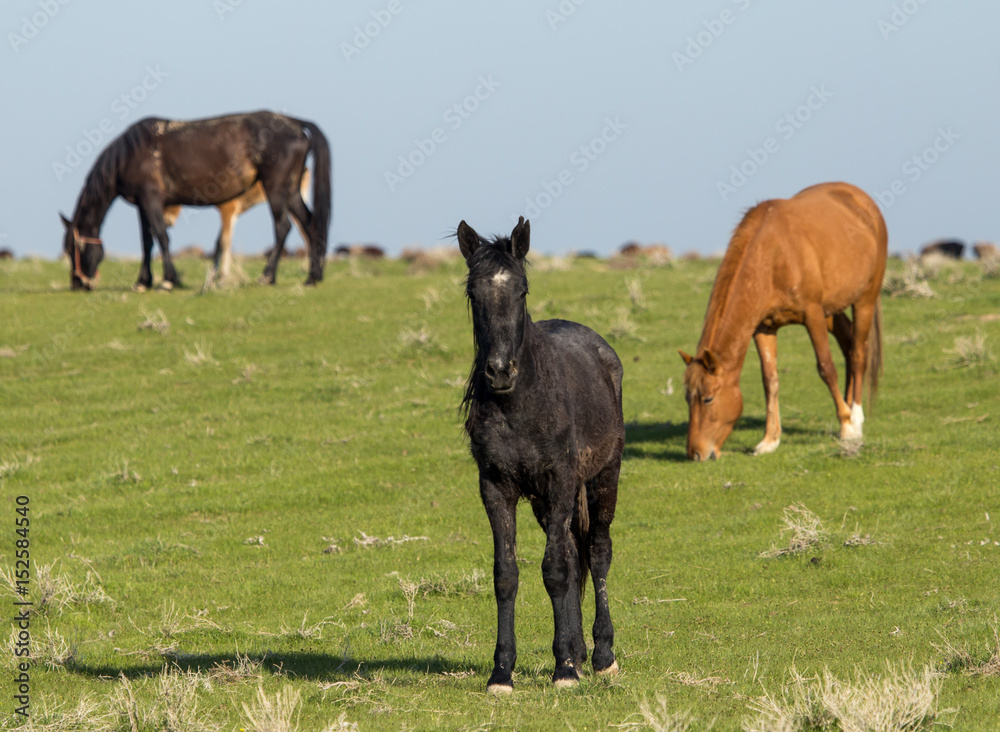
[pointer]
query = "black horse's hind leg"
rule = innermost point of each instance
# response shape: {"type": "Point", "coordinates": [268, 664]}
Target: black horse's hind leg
{"type": "Point", "coordinates": [602, 494]}
{"type": "Point", "coordinates": [300, 211]}
{"type": "Point", "coordinates": [502, 514]}
{"type": "Point", "coordinates": [561, 574]}
{"type": "Point", "coordinates": [145, 280]}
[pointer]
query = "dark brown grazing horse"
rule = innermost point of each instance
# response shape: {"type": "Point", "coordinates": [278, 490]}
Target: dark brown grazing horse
{"type": "Point", "coordinates": [157, 163]}
{"type": "Point", "coordinates": [544, 423]}
{"type": "Point", "coordinates": [803, 260]}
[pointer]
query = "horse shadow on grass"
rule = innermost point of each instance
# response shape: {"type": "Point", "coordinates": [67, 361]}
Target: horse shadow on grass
{"type": "Point", "coordinates": [295, 664]}
{"type": "Point", "coordinates": [668, 441]}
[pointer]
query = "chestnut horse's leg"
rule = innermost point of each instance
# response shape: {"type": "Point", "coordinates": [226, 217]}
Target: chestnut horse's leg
{"type": "Point", "coordinates": [223, 258]}
{"type": "Point", "coordinates": [864, 317]}
{"type": "Point", "coordinates": [843, 330]}
{"type": "Point", "coordinates": [815, 322]}
{"type": "Point", "coordinates": [561, 574]}
{"type": "Point", "coordinates": [502, 514]}
{"type": "Point", "coordinates": [602, 495]}
{"type": "Point", "coordinates": [767, 349]}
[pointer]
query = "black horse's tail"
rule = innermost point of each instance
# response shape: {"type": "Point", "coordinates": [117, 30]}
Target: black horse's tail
{"type": "Point", "coordinates": [322, 188]}
{"type": "Point", "coordinates": [581, 530]}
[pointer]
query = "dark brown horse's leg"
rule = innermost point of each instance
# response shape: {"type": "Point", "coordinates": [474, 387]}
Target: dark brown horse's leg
{"type": "Point", "coordinates": [153, 207]}
{"type": "Point", "coordinates": [602, 495]}
{"type": "Point", "coordinates": [502, 514]}
{"type": "Point", "coordinates": [815, 322]}
{"type": "Point", "coordinates": [145, 280]}
{"type": "Point", "coordinates": [307, 227]}
{"type": "Point", "coordinates": [767, 350]}
{"type": "Point", "coordinates": [561, 574]}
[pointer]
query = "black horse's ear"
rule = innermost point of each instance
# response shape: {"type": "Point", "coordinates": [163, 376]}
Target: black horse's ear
{"type": "Point", "coordinates": [468, 239]}
{"type": "Point", "coordinates": [520, 238]}
{"type": "Point", "coordinates": [66, 222]}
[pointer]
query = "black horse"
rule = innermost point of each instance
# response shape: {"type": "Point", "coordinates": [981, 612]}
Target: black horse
{"type": "Point", "coordinates": [544, 420]}
{"type": "Point", "coordinates": [158, 163]}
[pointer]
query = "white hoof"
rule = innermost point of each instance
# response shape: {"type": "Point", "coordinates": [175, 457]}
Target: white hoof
{"type": "Point", "coordinates": [499, 690]}
{"type": "Point", "coordinates": [566, 683]}
{"type": "Point", "coordinates": [166, 286]}
{"type": "Point", "coordinates": [766, 446]}
{"type": "Point", "coordinates": [857, 417]}
{"type": "Point", "coordinates": [610, 670]}
{"type": "Point", "coordinates": [848, 431]}
{"type": "Point", "coordinates": [138, 288]}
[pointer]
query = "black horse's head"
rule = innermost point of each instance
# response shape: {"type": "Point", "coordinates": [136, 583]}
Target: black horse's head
{"type": "Point", "coordinates": [85, 254]}
{"type": "Point", "coordinates": [497, 287]}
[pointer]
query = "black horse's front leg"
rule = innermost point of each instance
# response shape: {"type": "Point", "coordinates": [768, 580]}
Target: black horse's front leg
{"type": "Point", "coordinates": [502, 514]}
{"type": "Point", "coordinates": [561, 573]}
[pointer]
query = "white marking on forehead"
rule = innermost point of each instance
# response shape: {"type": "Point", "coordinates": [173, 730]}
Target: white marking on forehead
{"type": "Point", "coordinates": [500, 277]}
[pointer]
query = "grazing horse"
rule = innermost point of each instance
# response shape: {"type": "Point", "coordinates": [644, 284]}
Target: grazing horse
{"type": "Point", "coordinates": [803, 260]}
{"type": "Point", "coordinates": [229, 211]}
{"type": "Point", "coordinates": [544, 419]}
{"type": "Point", "coordinates": [158, 163]}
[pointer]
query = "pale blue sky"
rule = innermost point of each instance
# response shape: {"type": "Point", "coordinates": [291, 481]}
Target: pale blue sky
{"type": "Point", "coordinates": [617, 121]}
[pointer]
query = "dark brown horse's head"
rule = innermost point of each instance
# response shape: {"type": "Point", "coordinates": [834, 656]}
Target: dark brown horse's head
{"type": "Point", "coordinates": [85, 254]}
{"type": "Point", "coordinates": [497, 287]}
{"type": "Point", "coordinates": [714, 402]}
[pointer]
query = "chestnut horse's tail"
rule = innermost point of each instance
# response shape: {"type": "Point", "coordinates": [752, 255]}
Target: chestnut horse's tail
{"type": "Point", "coordinates": [581, 529]}
{"type": "Point", "coordinates": [874, 353]}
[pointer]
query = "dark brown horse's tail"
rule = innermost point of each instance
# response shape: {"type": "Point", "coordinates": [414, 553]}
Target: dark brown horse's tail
{"type": "Point", "coordinates": [874, 354]}
{"type": "Point", "coordinates": [322, 186]}
{"type": "Point", "coordinates": [581, 529]}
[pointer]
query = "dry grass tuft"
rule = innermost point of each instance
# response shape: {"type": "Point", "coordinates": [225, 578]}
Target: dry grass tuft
{"type": "Point", "coordinates": [661, 719]}
{"type": "Point", "coordinates": [911, 282]}
{"type": "Point", "coordinates": [635, 294]}
{"type": "Point", "coordinates": [173, 706]}
{"type": "Point", "coordinates": [89, 714]}
{"type": "Point", "coordinates": [154, 321]}
{"type": "Point", "coordinates": [201, 355]}
{"type": "Point", "coordinates": [622, 326]}
{"type": "Point", "coordinates": [903, 699]}
{"type": "Point", "coordinates": [54, 591]}
{"type": "Point", "coordinates": [806, 531]}
{"type": "Point", "coordinates": [277, 714]}
{"type": "Point", "coordinates": [969, 351]}
{"type": "Point", "coordinates": [420, 339]}
{"type": "Point", "coordinates": [367, 542]}
{"type": "Point", "coordinates": [959, 659]}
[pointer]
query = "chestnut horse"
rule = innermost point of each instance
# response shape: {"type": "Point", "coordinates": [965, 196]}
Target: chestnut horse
{"type": "Point", "coordinates": [802, 260]}
{"type": "Point", "coordinates": [229, 211]}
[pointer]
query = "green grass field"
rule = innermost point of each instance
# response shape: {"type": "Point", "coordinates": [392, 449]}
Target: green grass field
{"type": "Point", "coordinates": [260, 500]}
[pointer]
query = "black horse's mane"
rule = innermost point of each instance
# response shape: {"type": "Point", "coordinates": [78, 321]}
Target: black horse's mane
{"type": "Point", "coordinates": [102, 180]}
{"type": "Point", "coordinates": [493, 255]}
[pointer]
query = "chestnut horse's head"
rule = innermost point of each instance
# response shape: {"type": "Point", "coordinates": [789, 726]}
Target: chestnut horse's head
{"type": "Point", "coordinates": [715, 403]}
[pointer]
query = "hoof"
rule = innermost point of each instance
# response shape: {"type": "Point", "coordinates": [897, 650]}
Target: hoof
{"type": "Point", "coordinates": [849, 432]}
{"type": "Point", "coordinates": [766, 446]}
{"type": "Point", "coordinates": [499, 689]}
{"type": "Point", "coordinates": [138, 287]}
{"type": "Point", "coordinates": [265, 280]}
{"type": "Point", "coordinates": [566, 683]}
{"type": "Point", "coordinates": [611, 670]}
{"type": "Point", "coordinates": [166, 286]}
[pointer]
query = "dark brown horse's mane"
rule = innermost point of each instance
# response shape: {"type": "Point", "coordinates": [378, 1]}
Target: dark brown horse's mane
{"type": "Point", "coordinates": [492, 256]}
{"type": "Point", "coordinates": [102, 180]}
